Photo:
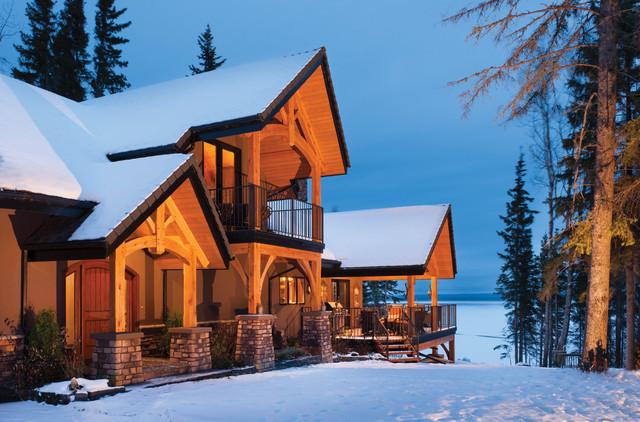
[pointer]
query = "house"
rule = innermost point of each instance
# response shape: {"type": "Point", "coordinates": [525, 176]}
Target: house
{"type": "Point", "coordinates": [190, 195]}
{"type": "Point", "coordinates": [186, 195]}
{"type": "Point", "coordinates": [406, 243]}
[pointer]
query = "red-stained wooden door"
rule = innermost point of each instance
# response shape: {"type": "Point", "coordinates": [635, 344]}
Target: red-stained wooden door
{"type": "Point", "coordinates": [93, 290]}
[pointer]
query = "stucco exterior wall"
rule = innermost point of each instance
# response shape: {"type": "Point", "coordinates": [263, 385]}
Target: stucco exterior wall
{"type": "Point", "coordinates": [10, 269]}
{"type": "Point", "coordinates": [43, 278]}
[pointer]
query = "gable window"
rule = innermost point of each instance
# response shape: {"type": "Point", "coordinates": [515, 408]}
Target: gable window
{"type": "Point", "coordinates": [220, 165]}
{"type": "Point", "coordinates": [291, 290]}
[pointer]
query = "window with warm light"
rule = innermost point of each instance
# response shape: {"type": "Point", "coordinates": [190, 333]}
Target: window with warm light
{"type": "Point", "coordinates": [291, 290]}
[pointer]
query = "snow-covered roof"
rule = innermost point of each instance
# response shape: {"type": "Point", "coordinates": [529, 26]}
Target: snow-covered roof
{"type": "Point", "coordinates": [162, 114]}
{"type": "Point", "coordinates": [388, 237]}
{"type": "Point", "coordinates": [46, 149]}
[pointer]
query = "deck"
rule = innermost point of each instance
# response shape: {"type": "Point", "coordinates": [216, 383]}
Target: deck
{"type": "Point", "coordinates": [399, 332]}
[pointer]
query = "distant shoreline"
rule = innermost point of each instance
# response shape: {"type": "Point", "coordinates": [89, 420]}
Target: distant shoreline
{"type": "Point", "coordinates": [461, 297]}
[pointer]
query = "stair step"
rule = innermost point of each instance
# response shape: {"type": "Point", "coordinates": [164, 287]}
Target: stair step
{"type": "Point", "coordinates": [401, 360]}
{"type": "Point", "coordinates": [397, 346]}
{"type": "Point", "coordinates": [401, 352]}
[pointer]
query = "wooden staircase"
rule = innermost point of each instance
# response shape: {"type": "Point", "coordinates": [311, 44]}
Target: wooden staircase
{"type": "Point", "coordinates": [399, 350]}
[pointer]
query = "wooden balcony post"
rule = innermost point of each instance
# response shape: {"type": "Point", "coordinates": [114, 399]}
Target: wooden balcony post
{"type": "Point", "coordinates": [316, 295]}
{"type": "Point", "coordinates": [253, 178]}
{"type": "Point", "coordinates": [411, 284]}
{"type": "Point", "coordinates": [316, 199]}
{"type": "Point", "coordinates": [190, 317]}
{"type": "Point", "coordinates": [253, 277]}
{"type": "Point", "coordinates": [117, 291]}
{"type": "Point", "coordinates": [434, 291]}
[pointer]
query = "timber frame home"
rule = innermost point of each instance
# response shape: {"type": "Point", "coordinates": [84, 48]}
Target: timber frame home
{"type": "Point", "coordinates": [192, 196]}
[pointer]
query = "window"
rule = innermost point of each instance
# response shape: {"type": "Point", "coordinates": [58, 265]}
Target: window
{"type": "Point", "coordinates": [292, 290]}
{"type": "Point", "coordinates": [220, 165]}
{"type": "Point", "coordinates": [341, 292]}
{"type": "Point", "coordinates": [70, 307]}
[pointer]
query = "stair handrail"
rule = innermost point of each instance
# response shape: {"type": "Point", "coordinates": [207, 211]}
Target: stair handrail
{"type": "Point", "coordinates": [415, 330]}
{"type": "Point", "coordinates": [386, 332]}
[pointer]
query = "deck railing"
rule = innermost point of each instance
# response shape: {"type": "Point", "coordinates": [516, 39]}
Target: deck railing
{"type": "Point", "coordinates": [397, 320]}
{"type": "Point", "coordinates": [253, 207]}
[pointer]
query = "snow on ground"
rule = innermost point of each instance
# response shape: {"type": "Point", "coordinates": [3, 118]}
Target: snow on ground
{"type": "Point", "coordinates": [368, 391]}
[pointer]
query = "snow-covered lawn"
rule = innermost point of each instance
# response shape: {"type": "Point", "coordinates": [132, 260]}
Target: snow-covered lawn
{"type": "Point", "coordinates": [368, 391]}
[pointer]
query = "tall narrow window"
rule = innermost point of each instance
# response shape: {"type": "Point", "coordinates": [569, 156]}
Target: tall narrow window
{"type": "Point", "coordinates": [70, 307]}
{"type": "Point", "coordinates": [210, 167]}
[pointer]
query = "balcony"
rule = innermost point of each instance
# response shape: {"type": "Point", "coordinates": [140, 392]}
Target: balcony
{"type": "Point", "coordinates": [252, 208]}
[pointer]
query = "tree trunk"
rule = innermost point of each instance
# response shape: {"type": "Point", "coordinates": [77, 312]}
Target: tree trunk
{"type": "Point", "coordinates": [619, 322]}
{"type": "Point", "coordinates": [630, 351]}
{"type": "Point", "coordinates": [562, 342]}
{"type": "Point", "coordinates": [547, 332]}
{"type": "Point", "coordinates": [595, 343]}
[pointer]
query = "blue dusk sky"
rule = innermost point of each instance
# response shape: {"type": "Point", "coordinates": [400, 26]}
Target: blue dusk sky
{"type": "Point", "coordinates": [390, 64]}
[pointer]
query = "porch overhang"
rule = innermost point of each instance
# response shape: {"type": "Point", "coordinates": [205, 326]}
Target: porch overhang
{"type": "Point", "coordinates": [185, 187]}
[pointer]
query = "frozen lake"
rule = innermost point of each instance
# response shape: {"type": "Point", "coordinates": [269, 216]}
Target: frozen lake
{"type": "Point", "coordinates": [480, 320]}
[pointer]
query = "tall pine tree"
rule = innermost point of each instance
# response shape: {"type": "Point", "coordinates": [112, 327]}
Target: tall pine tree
{"type": "Point", "coordinates": [517, 284]}
{"type": "Point", "coordinates": [35, 57]}
{"type": "Point", "coordinates": [208, 59]}
{"type": "Point", "coordinates": [106, 56]}
{"type": "Point", "coordinates": [70, 52]}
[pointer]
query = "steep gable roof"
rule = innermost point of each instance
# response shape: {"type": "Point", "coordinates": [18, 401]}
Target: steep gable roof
{"type": "Point", "coordinates": [48, 155]}
{"type": "Point", "coordinates": [390, 241]}
{"type": "Point", "coordinates": [164, 117]}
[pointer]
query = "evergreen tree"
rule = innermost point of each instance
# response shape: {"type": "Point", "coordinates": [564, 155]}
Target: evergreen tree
{"type": "Point", "coordinates": [70, 52]}
{"type": "Point", "coordinates": [106, 56]}
{"type": "Point", "coordinates": [208, 59]}
{"type": "Point", "coordinates": [378, 292]}
{"type": "Point", "coordinates": [517, 283]}
{"type": "Point", "coordinates": [35, 57]}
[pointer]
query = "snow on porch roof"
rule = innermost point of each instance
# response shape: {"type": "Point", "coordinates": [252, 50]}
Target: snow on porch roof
{"type": "Point", "coordinates": [162, 115]}
{"type": "Point", "coordinates": [389, 237]}
{"type": "Point", "coordinates": [45, 148]}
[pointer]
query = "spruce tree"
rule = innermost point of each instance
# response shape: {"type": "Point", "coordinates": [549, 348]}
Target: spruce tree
{"type": "Point", "coordinates": [35, 58]}
{"type": "Point", "coordinates": [70, 52]}
{"type": "Point", "coordinates": [208, 59]}
{"type": "Point", "coordinates": [517, 283]}
{"type": "Point", "coordinates": [106, 56]}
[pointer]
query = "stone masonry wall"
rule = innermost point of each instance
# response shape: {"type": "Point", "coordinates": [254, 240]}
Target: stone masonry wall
{"type": "Point", "coordinates": [191, 345]}
{"type": "Point", "coordinates": [117, 355]}
{"type": "Point", "coordinates": [316, 334]}
{"type": "Point", "coordinates": [255, 341]}
{"type": "Point", "coordinates": [11, 355]}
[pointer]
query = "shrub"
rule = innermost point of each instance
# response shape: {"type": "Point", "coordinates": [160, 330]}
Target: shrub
{"type": "Point", "coordinates": [289, 353]}
{"type": "Point", "coordinates": [46, 335]}
{"type": "Point", "coordinates": [174, 319]}
{"type": "Point", "coordinates": [43, 361]}
{"type": "Point", "coordinates": [223, 349]}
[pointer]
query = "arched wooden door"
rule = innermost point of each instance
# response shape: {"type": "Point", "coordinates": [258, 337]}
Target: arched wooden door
{"type": "Point", "coordinates": [91, 287]}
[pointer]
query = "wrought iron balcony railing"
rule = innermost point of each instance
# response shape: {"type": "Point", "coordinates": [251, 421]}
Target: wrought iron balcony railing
{"type": "Point", "coordinates": [253, 207]}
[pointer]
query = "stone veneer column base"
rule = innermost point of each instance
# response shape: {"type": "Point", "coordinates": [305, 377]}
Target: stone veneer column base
{"type": "Point", "coordinates": [117, 355]}
{"type": "Point", "coordinates": [11, 356]}
{"type": "Point", "coordinates": [316, 334]}
{"type": "Point", "coordinates": [191, 345]}
{"type": "Point", "coordinates": [254, 344]}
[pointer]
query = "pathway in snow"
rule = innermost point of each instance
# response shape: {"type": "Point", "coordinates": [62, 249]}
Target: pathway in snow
{"type": "Point", "coordinates": [368, 391]}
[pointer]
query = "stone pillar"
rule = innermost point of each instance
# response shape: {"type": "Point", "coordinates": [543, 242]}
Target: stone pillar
{"type": "Point", "coordinates": [254, 344]}
{"type": "Point", "coordinates": [117, 355]}
{"type": "Point", "coordinates": [316, 334]}
{"type": "Point", "coordinates": [11, 355]}
{"type": "Point", "coordinates": [191, 345]}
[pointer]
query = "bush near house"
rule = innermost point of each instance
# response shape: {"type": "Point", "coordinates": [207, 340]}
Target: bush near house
{"type": "Point", "coordinates": [174, 319]}
{"type": "Point", "coordinates": [223, 347]}
{"type": "Point", "coordinates": [48, 358]}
